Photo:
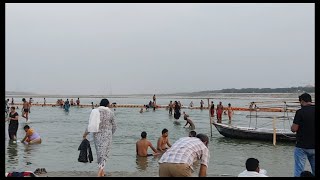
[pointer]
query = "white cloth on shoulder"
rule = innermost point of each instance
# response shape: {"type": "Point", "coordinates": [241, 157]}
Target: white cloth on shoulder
{"type": "Point", "coordinates": [94, 119]}
{"type": "Point", "coordinates": [246, 173]}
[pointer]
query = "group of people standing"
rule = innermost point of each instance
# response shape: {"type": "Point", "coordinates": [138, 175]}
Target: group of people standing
{"type": "Point", "coordinates": [31, 136]}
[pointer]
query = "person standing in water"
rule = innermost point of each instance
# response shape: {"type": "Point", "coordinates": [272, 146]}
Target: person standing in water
{"type": "Point", "coordinates": [163, 141]}
{"type": "Point", "coordinates": [177, 112]}
{"type": "Point", "coordinates": [154, 100]}
{"type": "Point", "coordinates": [212, 109]}
{"type": "Point", "coordinates": [44, 101]}
{"type": "Point", "coordinates": [201, 104]}
{"type": "Point", "coordinates": [78, 102]}
{"type": "Point", "coordinates": [13, 124]}
{"type": "Point", "coordinates": [170, 108]}
{"type": "Point", "coordinates": [25, 108]}
{"type": "Point", "coordinates": [230, 112]}
{"type": "Point", "coordinates": [219, 112]}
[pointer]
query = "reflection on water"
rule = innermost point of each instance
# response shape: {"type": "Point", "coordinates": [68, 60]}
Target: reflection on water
{"type": "Point", "coordinates": [142, 162]}
{"type": "Point", "coordinates": [12, 151]}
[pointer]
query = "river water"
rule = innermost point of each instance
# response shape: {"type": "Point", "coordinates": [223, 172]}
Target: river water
{"type": "Point", "coordinates": [62, 132]}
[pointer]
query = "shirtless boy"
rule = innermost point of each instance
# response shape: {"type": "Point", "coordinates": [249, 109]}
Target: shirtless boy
{"type": "Point", "coordinates": [142, 146]}
{"type": "Point", "coordinates": [25, 107]}
{"type": "Point", "coordinates": [163, 141]}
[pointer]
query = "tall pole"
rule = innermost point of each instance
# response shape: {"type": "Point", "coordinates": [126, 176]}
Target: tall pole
{"type": "Point", "coordinates": [274, 131]}
{"type": "Point", "coordinates": [210, 118]}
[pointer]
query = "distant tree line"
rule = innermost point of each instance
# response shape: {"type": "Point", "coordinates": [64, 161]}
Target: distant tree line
{"type": "Point", "coordinates": [299, 89]}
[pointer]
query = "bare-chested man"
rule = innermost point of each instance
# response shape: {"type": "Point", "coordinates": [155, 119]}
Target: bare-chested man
{"type": "Point", "coordinates": [142, 146]}
{"type": "Point", "coordinates": [163, 141]}
{"type": "Point", "coordinates": [25, 107]}
{"type": "Point", "coordinates": [189, 121]}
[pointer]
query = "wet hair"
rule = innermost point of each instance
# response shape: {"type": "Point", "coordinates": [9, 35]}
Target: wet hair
{"type": "Point", "coordinates": [12, 107]}
{"type": "Point", "coordinates": [23, 99]}
{"type": "Point", "coordinates": [306, 174]}
{"type": "Point", "coordinates": [305, 97]}
{"type": "Point", "coordinates": [192, 134]}
{"type": "Point", "coordinates": [252, 164]}
{"type": "Point", "coordinates": [229, 104]}
{"type": "Point", "coordinates": [26, 127]}
{"type": "Point", "coordinates": [164, 130]}
{"type": "Point", "coordinates": [203, 137]}
{"type": "Point", "coordinates": [143, 134]}
{"type": "Point", "coordinates": [104, 102]}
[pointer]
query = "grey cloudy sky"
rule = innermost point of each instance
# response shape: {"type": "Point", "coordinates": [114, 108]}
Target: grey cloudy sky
{"type": "Point", "coordinates": [157, 48]}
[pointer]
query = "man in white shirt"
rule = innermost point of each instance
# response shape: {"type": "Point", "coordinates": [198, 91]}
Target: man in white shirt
{"type": "Point", "coordinates": [253, 169]}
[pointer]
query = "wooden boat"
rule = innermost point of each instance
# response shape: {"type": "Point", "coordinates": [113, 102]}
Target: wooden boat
{"type": "Point", "coordinates": [263, 134]}
{"type": "Point", "coordinates": [260, 133]}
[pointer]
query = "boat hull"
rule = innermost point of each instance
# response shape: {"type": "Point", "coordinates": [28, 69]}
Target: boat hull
{"type": "Point", "coordinates": [254, 134]}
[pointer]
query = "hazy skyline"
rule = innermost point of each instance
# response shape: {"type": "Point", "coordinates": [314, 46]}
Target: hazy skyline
{"type": "Point", "coordinates": [157, 48]}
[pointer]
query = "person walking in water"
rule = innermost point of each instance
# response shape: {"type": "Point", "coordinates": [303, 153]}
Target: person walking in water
{"type": "Point", "coordinates": [230, 112]}
{"type": "Point", "coordinates": [25, 108]}
{"type": "Point", "coordinates": [44, 101]}
{"type": "Point", "coordinates": [102, 125]}
{"type": "Point", "coordinates": [219, 112]}
{"type": "Point", "coordinates": [142, 146]}
{"type": "Point", "coordinates": [189, 121]}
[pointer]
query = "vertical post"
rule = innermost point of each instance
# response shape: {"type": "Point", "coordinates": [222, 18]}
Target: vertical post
{"type": "Point", "coordinates": [210, 118]}
{"type": "Point", "coordinates": [274, 131]}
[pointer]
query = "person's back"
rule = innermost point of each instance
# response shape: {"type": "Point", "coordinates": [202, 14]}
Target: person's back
{"type": "Point", "coordinates": [306, 131]}
{"type": "Point", "coordinates": [143, 144]}
{"type": "Point", "coordinates": [178, 160]}
{"type": "Point", "coordinates": [142, 147]}
{"type": "Point", "coordinates": [303, 125]}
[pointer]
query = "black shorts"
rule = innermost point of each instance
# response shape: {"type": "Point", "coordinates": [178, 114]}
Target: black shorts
{"type": "Point", "coordinates": [149, 154]}
{"type": "Point", "coordinates": [26, 110]}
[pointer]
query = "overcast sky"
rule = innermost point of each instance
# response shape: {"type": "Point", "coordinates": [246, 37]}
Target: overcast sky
{"type": "Point", "coordinates": [94, 49]}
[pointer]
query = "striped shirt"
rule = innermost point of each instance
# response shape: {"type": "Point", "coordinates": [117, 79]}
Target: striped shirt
{"type": "Point", "coordinates": [187, 150]}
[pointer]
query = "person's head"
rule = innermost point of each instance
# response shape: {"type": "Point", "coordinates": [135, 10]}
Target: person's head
{"type": "Point", "coordinates": [252, 164]}
{"type": "Point", "coordinates": [165, 132]}
{"type": "Point", "coordinates": [13, 109]}
{"type": "Point", "coordinates": [204, 138]}
{"type": "Point", "coordinates": [26, 128]}
{"type": "Point", "coordinates": [305, 98]}
{"type": "Point", "coordinates": [143, 134]}
{"type": "Point", "coordinates": [184, 112]}
{"type": "Point", "coordinates": [23, 99]}
{"type": "Point", "coordinates": [170, 101]}
{"type": "Point", "coordinates": [104, 102]}
{"type": "Point", "coordinates": [192, 134]}
{"type": "Point", "coordinates": [306, 174]}
{"type": "Point", "coordinates": [229, 104]}
{"type": "Point", "coordinates": [220, 102]}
